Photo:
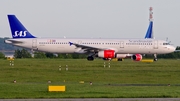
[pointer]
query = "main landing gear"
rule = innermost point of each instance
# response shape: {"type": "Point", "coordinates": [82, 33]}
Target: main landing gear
{"type": "Point", "coordinates": [155, 57]}
{"type": "Point", "coordinates": [120, 59]}
{"type": "Point", "coordinates": [90, 58]}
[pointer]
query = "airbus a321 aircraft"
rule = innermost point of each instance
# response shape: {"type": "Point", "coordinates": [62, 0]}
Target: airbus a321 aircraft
{"type": "Point", "coordinates": [103, 48]}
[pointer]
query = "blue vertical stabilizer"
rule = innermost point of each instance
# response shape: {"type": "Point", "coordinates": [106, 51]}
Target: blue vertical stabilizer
{"type": "Point", "coordinates": [149, 33]}
{"type": "Point", "coordinates": [17, 28]}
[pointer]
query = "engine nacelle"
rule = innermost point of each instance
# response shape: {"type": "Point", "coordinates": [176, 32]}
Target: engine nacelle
{"type": "Point", "coordinates": [121, 56]}
{"type": "Point", "coordinates": [137, 57]}
{"type": "Point", "coordinates": [106, 54]}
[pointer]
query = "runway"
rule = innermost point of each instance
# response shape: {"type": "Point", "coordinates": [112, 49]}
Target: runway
{"type": "Point", "coordinates": [97, 99]}
{"type": "Point", "coordinates": [143, 84]}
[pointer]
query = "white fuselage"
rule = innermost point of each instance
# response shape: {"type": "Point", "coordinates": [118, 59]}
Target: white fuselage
{"type": "Point", "coordinates": [121, 46]}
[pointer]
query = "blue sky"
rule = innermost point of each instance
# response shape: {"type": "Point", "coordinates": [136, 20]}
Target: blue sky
{"type": "Point", "coordinates": [94, 18]}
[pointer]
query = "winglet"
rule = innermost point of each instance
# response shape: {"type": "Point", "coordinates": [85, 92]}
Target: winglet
{"type": "Point", "coordinates": [70, 43]}
{"type": "Point", "coordinates": [17, 28]}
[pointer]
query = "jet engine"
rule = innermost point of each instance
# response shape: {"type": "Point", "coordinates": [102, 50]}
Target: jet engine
{"type": "Point", "coordinates": [106, 54]}
{"type": "Point", "coordinates": [137, 57]}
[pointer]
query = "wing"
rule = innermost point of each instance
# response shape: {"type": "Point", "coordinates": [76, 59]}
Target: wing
{"type": "Point", "coordinates": [87, 48]}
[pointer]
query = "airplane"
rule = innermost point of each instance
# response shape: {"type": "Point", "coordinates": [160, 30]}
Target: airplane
{"type": "Point", "coordinates": [103, 48]}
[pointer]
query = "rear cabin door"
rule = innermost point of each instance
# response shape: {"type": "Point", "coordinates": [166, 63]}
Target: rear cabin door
{"type": "Point", "coordinates": [34, 43]}
{"type": "Point", "coordinates": [156, 44]}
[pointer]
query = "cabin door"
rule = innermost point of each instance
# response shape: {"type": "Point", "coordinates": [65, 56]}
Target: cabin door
{"type": "Point", "coordinates": [34, 43]}
{"type": "Point", "coordinates": [156, 44]}
{"type": "Point", "coordinates": [121, 44]}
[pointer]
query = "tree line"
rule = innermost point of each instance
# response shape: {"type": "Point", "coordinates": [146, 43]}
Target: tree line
{"type": "Point", "coordinates": [7, 47]}
{"type": "Point", "coordinates": [23, 53]}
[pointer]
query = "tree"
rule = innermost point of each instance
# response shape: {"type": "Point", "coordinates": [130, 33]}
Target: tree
{"type": "Point", "coordinates": [61, 56]}
{"type": "Point", "coordinates": [72, 56]}
{"type": "Point", "coordinates": [22, 54]}
{"type": "Point", "coordinates": [50, 55]}
{"type": "Point", "coordinates": [68, 56]}
{"type": "Point", "coordinates": [79, 56]}
{"type": "Point", "coordinates": [17, 53]}
{"type": "Point", "coordinates": [25, 54]}
{"type": "Point", "coordinates": [39, 55]}
{"type": "Point", "coordinates": [2, 56]}
{"type": "Point", "coordinates": [65, 56]}
{"type": "Point", "coordinates": [75, 56]}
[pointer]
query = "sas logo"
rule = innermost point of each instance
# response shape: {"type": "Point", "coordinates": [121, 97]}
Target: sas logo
{"type": "Point", "coordinates": [20, 34]}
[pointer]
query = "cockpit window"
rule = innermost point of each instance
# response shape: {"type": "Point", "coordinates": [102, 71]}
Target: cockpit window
{"type": "Point", "coordinates": [165, 43]}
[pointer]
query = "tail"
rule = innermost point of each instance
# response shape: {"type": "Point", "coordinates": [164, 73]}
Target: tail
{"type": "Point", "coordinates": [149, 33]}
{"type": "Point", "coordinates": [17, 29]}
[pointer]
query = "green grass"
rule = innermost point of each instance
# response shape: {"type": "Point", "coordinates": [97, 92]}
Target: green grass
{"type": "Point", "coordinates": [121, 80]}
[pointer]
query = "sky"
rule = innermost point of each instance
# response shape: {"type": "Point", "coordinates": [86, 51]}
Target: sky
{"type": "Point", "coordinates": [94, 18]}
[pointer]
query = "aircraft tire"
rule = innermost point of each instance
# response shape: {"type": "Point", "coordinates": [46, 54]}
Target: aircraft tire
{"type": "Point", "coordinates": [90, 58]}
{"type": "Point", "coordinates": [120, 59]}
{"type": "Point", "coordinates": [155, 59]}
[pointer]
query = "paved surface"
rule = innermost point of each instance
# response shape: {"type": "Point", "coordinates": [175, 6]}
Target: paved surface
{"type": "Point", "coordinates": [98, 99]}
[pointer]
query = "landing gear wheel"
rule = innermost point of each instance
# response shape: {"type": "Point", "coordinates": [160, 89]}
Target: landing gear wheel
{"type": "Point", "coordinates": [90, 58]}
{"type": "Point", "coordinates": [155, 59]}
{"type": "Point", "coordinates": [120, 59]}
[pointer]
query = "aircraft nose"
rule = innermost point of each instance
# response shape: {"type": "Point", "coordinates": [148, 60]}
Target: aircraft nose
{"type": "Point", "coordinates": [171, 48]}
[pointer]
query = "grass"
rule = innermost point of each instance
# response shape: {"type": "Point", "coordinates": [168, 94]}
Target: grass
{"type": "Point", "coordinates": [127, 79]}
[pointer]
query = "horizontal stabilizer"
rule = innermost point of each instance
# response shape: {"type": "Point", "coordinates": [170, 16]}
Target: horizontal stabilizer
{"type": "Point", "coordinates": [13, 41]}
